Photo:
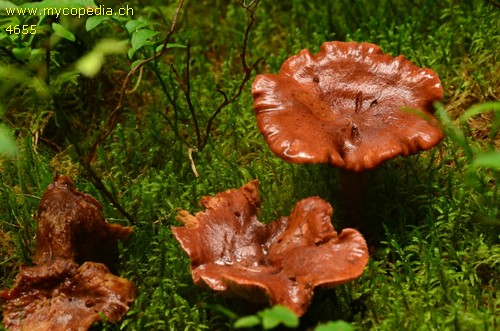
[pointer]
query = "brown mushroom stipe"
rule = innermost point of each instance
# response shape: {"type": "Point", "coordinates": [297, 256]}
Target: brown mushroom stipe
{"type": "Point", "coordinates": [345, 106]}
{"type": "Point", "coordinates": [57, 293]}
{"type": "Point", "coordinates": [231, 251]}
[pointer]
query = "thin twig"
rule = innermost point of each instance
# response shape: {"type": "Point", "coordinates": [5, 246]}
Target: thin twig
{"type": "Point", "coordinates": [137, 84]}
{"type": "Point", "coordinates": [188, 96]}
{"type": "Point", "coordinates": [250, 8]}
{"type": "Point", "coordinates": [185, 86]}
{"type": "Point", "coordinates": [184, 83]}
{"type": "Point", "coordinates": [171, 100]}
{"type": "Point", "coordinates": [98, 183]}
{"type": "Point", "coordinates": [113, 117]}
{"type": "Point", "coordinates": [48, 47]}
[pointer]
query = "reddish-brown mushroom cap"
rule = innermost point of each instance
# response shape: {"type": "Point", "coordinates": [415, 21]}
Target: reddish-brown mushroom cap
{"type": "Point", "coordinates": [71, 225]}
{"type": "Point", "coordinates": [231, 251]}
{"type": "Point", "coordinates": [348, 105]}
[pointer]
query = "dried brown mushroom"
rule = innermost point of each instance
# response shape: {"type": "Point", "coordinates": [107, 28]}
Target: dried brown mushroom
{"type": "Point", "coordinates": [231, 251]}
{"type": "Point", "coordinates": [56, 293]}
{"type": "Point", "coordinates": [60, 296]}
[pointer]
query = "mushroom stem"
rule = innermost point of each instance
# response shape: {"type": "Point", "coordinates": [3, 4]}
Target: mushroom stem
{"type": "Point", "coordinates": [353, 187]}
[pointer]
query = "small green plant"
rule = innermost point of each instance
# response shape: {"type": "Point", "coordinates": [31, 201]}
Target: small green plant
{"type": "Point", "coordinates": [478, 156]}
{"type": "Point", "coordinates": [335, 326]}
{"type": "Point", "coordinates": [277, 315]}
{"type": "Point", "coordinates": [269, 318]}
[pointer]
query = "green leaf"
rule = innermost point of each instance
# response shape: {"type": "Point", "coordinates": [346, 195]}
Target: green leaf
{"type": "Point", "coordinates": [94, 21]}
{"type": "Point", "coordinates": [277, 315]}
{"type": "Point", "coordinates": [456, 134]}
{"type": "Point", "coordinates": [335, 326]}
{"type": "Point", "coordinates": [247, 322]}
{"type": "Point", "coordinates": [134, 25]}
{"type": "Point", "coordinates": [487, 160]}
{"type": "Point", "coordinates": [38, 52]}
{"type": "Point", "coordinates": [63, 32]}
{"type": "Point", "coordinates": [7, 143]}
{"type": "Point", "coordinates": [22, 54]}
{"type": "Point", "coordinates": [90, 64]}
{"type": "Point", "coordinates": [112, 46]}
{"type": "Point", "coordinates": [60, 4]}
{"type": "Point", "coordinates": [6, 4]}
{"type": "Point", "coordinates": [11, 20]}
{"type": "Point", "coordinates": [170, 45]}
{"type": "Point", "coordinates": [220, 309]}
{"type": "Point", "coordinates": [479, 109]}
{"type": "Point", "coordinates": [136, 63]}
{"type": "Point", "coordinates": [141, 37]}
{"type": "Point", "coordinates": [130, 52]}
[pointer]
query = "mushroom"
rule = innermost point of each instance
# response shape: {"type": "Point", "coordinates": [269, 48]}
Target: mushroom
{"type": "Point", "coordinates": [71, 225]}
{"type": "Point", "coordinates": [351, 106]}
{"type": "Point", "coordinates": [56, 293]}
{"type": "Point", "coordinates": [232, 252]}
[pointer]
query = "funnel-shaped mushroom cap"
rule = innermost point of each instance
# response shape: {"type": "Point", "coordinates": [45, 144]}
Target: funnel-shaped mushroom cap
{"type": "Point", "coordinates": [349, 105]}
{"type": "Point", "coordinates": [231, 251]}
